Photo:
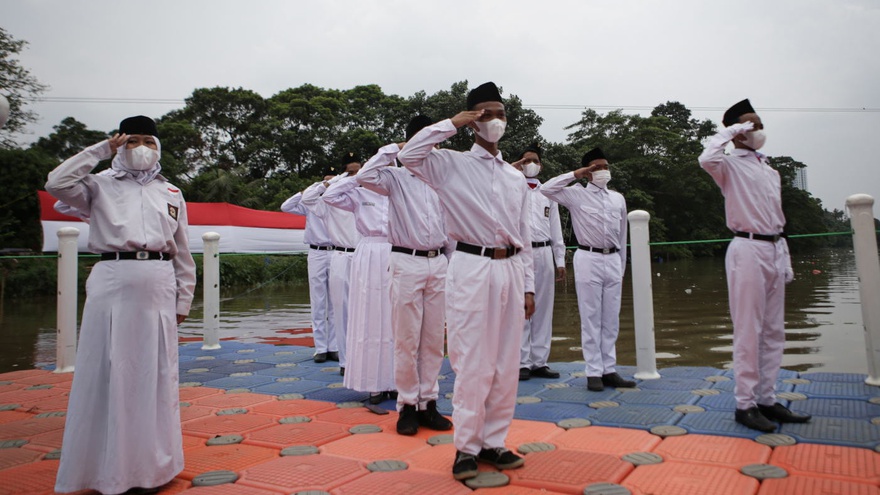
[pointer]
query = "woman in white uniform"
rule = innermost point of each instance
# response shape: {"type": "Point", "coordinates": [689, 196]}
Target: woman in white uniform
{"type": "Point", "coordinates": [123, 419]}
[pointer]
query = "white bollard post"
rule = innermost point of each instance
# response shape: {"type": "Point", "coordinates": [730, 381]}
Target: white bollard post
{"type": "Point", "coordinates": [643, 296]}
{"type": "Point", "coordinates": [211, 290]}
{"type": "Point", "coordinates": [861, 216]}
{"type": "Point", "coordinates": [65, 343]}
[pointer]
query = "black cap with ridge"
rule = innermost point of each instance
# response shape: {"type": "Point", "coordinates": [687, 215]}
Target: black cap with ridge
{"type": "Point", "coordinates": [732, 115]}
{"type": "Point", "coordinates": [534, 148]}
{"type": "Point", "coordinates": [415, 125]}
{"type": "Point", "coordinates": [483, 93]}
{"type": "Point", "coordinates": [349, 157]}
{"type": "Point", "coordinates": [593, 154]}
{"type": "Point", "coordinates": [139, 125]}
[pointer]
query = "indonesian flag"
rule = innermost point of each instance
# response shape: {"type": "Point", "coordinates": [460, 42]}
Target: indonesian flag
{"type": "Point", "coordinates": [241, 230]}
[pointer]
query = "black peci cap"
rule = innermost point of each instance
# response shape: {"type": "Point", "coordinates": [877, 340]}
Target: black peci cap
{"type": "Point", "coordinates": [732, 115]}
{"type": "Point", "coordinates": [415, 125]}
{"type": "Point", "coordinates": [139, 125]}
{"type": "Point", "coordinates": [593, 154]}
{"type": "Point", "coordinates": [483, 93]}
{"type": "Point", "coordinates": [534, 148]}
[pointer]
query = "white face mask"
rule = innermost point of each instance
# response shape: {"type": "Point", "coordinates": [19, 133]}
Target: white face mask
{"type": "Point", "coordinates": [755, 139]}
{"type": "Point", "coordinates": [531, 169]}
{"type": "Point", "coordinates": [601, 178]}
{"type": "Point", "coordinates": [141, 158]}
{"type": "Point", "coordinates": [491, 131]}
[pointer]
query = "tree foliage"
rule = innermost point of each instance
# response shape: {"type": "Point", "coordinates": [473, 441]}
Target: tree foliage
{"type": "Point", "coordinates": [17, 85]}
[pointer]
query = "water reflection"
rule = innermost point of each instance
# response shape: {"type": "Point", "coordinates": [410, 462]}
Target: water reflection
{"type": "Point", "coordinates": [692, 323]}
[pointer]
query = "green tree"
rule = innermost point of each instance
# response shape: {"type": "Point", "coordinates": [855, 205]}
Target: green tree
{"type": "Point", "coordinates": [17, 85]}
{"type": "Point", "coordinates": [69, 138]}
{"type": "Point", "coordinates": [22, 174]}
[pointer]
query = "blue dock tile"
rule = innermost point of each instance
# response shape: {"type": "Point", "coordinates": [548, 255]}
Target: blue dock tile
{"type": "Point", "coordinates": [579, 395]}
{"type": "Point", "coordinates": [581, 381]}
{"type": "Point", "coordinates": [446, 368]}
{"type": "Point", "coordinates": [326, 375]}
{"type": "Point", "coordinates": [277, 358]}
{"type": "Point", "coordinates": [552, 411]}
{"type": "Point", "coordinates": [235, 355]}
{"type": "Point", "coordinates": [247, 382]}
{"type": "Point", "coordinates": [729, 385]}
{"type": "Point", "coordinates": [835, 431]}
{"type": "Point", "coordinates": [699, 372]}
{"type": "Point", "coordinates": [668, 398]}
{"type": "Point", "coordinates": [284, 371]}
{"type": "Point", "coordinates": [838, 390]}
{"type": "Point", "coordinates": [337, 395]}
{"type": "Point", "coordinates": [183, 358]}
{"type": "Point", "coordinates": [641, 417]}
{"type": "Point", "coordinates": [567, 368]}
{"type": "Point", "coordinates": [682, 384]}
{"type": "Point", "coordinates": [295, 387]}
{"type": "Point", "coordinates": [837, 408]}
{"type": "Point", "coordinates": [200, 363]}
{"type": "Point", "coordinates": [716, 423]}
{"type": "Point", "coordinates": [446, 387]}
{"type": "Point", "coordinates": [720, 402]}
{"type": "Point", "coordinates": [531, 387]}
{"type": "Point", "coordinates": [444, 406]}
{"type": "Point", "coordinates": [200, 377]}
{"type": "Point", "coordinates": [231, 368]}
{"type": "Point", "coordinates": [834, 377]}
{"type": "Point", "coordinates": [784, 374]}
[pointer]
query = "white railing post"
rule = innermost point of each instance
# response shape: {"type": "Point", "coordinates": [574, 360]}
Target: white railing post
{"type": "Point", "coordinates": [861, 215]}
{"type": "Point", "coordinates": [211, 290]}
{"type": "Point", "coordinates": [65, 343]}
{"type": "Point", "coordinates": [643, 296]}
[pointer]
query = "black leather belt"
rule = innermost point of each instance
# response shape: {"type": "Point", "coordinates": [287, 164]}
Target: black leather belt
{"type": "Point", "coordinates": [494, 253]}
{"type": "Point", "coordinates": [431, 253]}
{"type": "Point", "coordinates": [137, 255]}
{"type": "Point", "coordinates": [599, 250]}
{"type": "Point", "coordinates": [344, 249]}
{"type": "Point", "coordinates": [321, 248]}
{"type": "Point", "coordinates": [759, 237]}
{"type": "Point", "coordinates": [540, 244]}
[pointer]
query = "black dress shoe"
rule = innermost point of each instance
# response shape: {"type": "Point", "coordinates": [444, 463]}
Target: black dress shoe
{"type": "Point", "coordinates": [342, 371]}
{"type": "Point", "coordinates": [544, 372]}
{"type": "Point", "coordinates": [333, 356]}
{"type": "Point", "coordinates": [594, 384]}
{"type": "Point", "coordinates": [465, 466]}
{"type": "Point", "coordinates": [614, 380]}
{"type": "Point", "coordinates": [500, 458]}
{"type": "Point", "coordinates": [524, 374]}
{"type": "Point", "coordinates": [320, 357]}
{"type": "Point", "coordinates": [377, 397]}
{"type": "Point", "coordinates": [778, 412]}
{"type": "Point", "coordinates": [408, 422]}
{"type": "Point", "coordinates": [391, 394]}
{"type": "Point", "coordinates": [752, 418]}
{"type": "Point", "coordinates": [431, 418]}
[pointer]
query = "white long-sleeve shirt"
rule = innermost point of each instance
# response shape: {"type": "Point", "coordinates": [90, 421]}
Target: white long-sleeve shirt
{"type": "Point", "coordinates": [752, 189]}
{"type": "Point", "coordinates": [545, 222]}
{"type": "Point", "coordinates": [127, 216]}
{"type": "Point", "coordinates": [339, 223]}
{"type": "Point", "coordinates": [316, 232]}
{"type": "Point", "coordinates": [370, 209]}
{"type": "Point", "coordinates": [485, 200]}
{"type": "Point", "coordinates": [598, 215]}
{"type": "Point", "coordinates": [415, 217]}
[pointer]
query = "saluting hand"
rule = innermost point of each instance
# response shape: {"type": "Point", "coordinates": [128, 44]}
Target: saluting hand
{"type": "Point", "coordinates": [586, 172]}
{"type": "Point", "coordinates": [117, 141]}
{"type": "Point", "coordinates": [466, 117]}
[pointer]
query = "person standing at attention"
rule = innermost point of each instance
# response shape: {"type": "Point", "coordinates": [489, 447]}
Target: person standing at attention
{"type": "Point", "coordinates": [418, 281]}
{"type": "Point", "coordinates": [548, 250]}
{"type": "Point", "coordinates": [598, 215]}
{"type": "Point", "coordinates": [490, 286]}
{"type": "Point", "coordinates": [758, 265]}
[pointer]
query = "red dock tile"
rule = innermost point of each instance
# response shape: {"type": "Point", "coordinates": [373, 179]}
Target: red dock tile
{"type": "Point", "coordinates": [26, 428]}
{"type": "Point", "coordinates": [226, 401]}
{"type": "Point", "coordinates": [358, 416]}
{"type": "Point", "coordinates": [46, 442]}
{"type": "Point", "coordinates": [605, 440]}
{"type": "Point", "coordinates": [403, 483]}
{"type": "Point", "coordinates": [297, 407]}
{"type": "Point", "coordinates": [285, 435]}
{"type": "Point", "coordinates": [14, 457]}
{"type": "Point", "coordinates": [522, 431]}
{"type": "Point", "coordinates": [713, 450]}
{"type": "Point", "coordinates": [34, 478]}
{"type": "Point", "coordinates": [226, 457]}
{"type": "Point", "coordinates": [675, 478]}
{"type": "Point", "coordinates": [46, 379]}
{"type": "Point", "coordinates": [805, 485]}
{"type": "Point", "coordinates": [374, 446]}
{"type": "Point", "coordinates": [190, 413]}
{"type": "Point", "coordinates": [189, 394]}
{"type": "Point", "coordinates": [515, 490]}
{"type": "Point", "coordinates": [13, 376]}
{"type": "Point", "coordinates": [51, 404]}
{"type": "Point", "coordinates": [27, 398]}
{"type": "Point", "coordinates": [301, 473]}
{"type": "Point", "coordinates": [229, 489]}
{"type": "Point", "coordinates": [829, 461]}
{"type": "Point", "coordinates": [232, 424]}
{"type": "Point", "coordinates": [568, 471]}
{"type": "Point", "coordinates": [10, 416]}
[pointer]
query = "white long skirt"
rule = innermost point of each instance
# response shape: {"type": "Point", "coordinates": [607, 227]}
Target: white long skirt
{"type": "Point", "coordinates": [370, 338]}
{"type": "Point", "coordinates": [123, 419]}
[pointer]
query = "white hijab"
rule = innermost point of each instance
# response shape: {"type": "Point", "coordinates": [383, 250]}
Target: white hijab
{"type": "Point", "coordinates": [142, 177]}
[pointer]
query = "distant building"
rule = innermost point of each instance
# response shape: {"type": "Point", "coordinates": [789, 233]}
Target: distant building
{"type": "Point", "coordinates": [800, 179]}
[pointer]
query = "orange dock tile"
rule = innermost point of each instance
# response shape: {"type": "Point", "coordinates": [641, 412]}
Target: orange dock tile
{"type": "Point", "coordinates": [229, 489]}
{"type": "Point", "coordinates": [232, 424]}
{"type": "Point", "coordinates": [370, 447]}
{"type": "Point", "coordinates": [190, 413]}
{"type": "Point", "coordinates": [713, 450]}
{"type": "Point", "coordinates": [514, 490]}
{"type": "Point", "coordinates": [285, 435]}
{"type": "Point", "coordinates": [805, 485]}
{"type": "Point", "coordinates": [56, 403]}
{"type": "Point", "coordinates": [437, 459]}
{"type": "Point", "coordinates": [523, 431]}
{"type": "Point", "coordinates": [47, 378]}
{"type": "Point", "coordinates": [34, 478]}
{"type": "Point", "coordinates": [829, 461]}
{"type": "Point", "coordinates": [295, 407]}
{"type": "Point", "coordinates": [676, 478]}
{"type": "Point", "coordinates": [14, 457]}
{"type": "Point", "coordinates": [14, 376]}
{"type": "Point", "coordinates": [226, 401]}
{"type": "Point", "coordinates": [189, 394]}
{"type": "Point", "coordinates": [223, 457]}
{"type": "Point", "coordinates": [46, 442]}
{"type": "Point", "coordinates": [26, 428]}
{"type": "Point", "coordinates": [26, 398]}
{"type": "Point", "coordinates": [190, 442]}
{"type": "Point", "coordinates": [10, 416]}
{"type": "Point", "coordinates": [568, 471]}
{"type": "Point", "coordinates": [358, 416]}
{"type": "Point", "coordinates": [606, 440]}
{"type": "Point", "coordinates": [301, 473]}
{"type": "Point", "coordinates": [403, 483]}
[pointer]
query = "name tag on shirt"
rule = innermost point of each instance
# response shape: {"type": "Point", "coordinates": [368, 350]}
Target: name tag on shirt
{"type": "Point", "coordinates": [368, 203]}
{"type": "Point", "coordinates": [547, 211]}
{"type": "Point", "coordinates": [172, 211]}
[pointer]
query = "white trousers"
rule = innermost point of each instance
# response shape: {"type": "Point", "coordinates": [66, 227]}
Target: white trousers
{"type": "Point", "coordinates": [484, 315]}
{"type": "Point", "coordinates": [123, 421]}
{"type": "Point", "coordinates": [319, 299]}
{"type": "Point", "coordinates": [418, 317]}
{"type": "Point", "coordinates": [598, 280]}
{"type": "Point", "coordinates": [369, 344]}
{"type": "Point", "coordinates": [340, 270]}
{"type": "Point", "coordinates": [538, 331]}
{"type": "Point", "coordinates": [756, 290]}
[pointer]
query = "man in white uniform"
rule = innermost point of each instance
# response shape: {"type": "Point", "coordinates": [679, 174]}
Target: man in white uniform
{"type": "Point", "coordinates": [758, 265]}
{"type": "Point", "coordinates": [369, 344]}
{"type": "Point", "coordinates": [489, 282]}
{"type": "Point", "coordinates": [548, 251]}
{"type": "Point", "coordinates": [320, 254]}
{"type": "Point", "coordinates": [598, 215]}
{"type": "Point", "coordinates": [418, 279]}
{"type": "Point", "coordinates": [344, 237]}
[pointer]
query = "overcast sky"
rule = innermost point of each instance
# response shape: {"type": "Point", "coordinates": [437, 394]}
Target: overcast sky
{"type": "Point", "coordinates": [811, 68]}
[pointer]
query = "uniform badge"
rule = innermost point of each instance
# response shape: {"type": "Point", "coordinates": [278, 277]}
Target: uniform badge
{"type": "Point", "coordinates": [547, 211]}
{"type": "Point", "coordinates": [172, 211]}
